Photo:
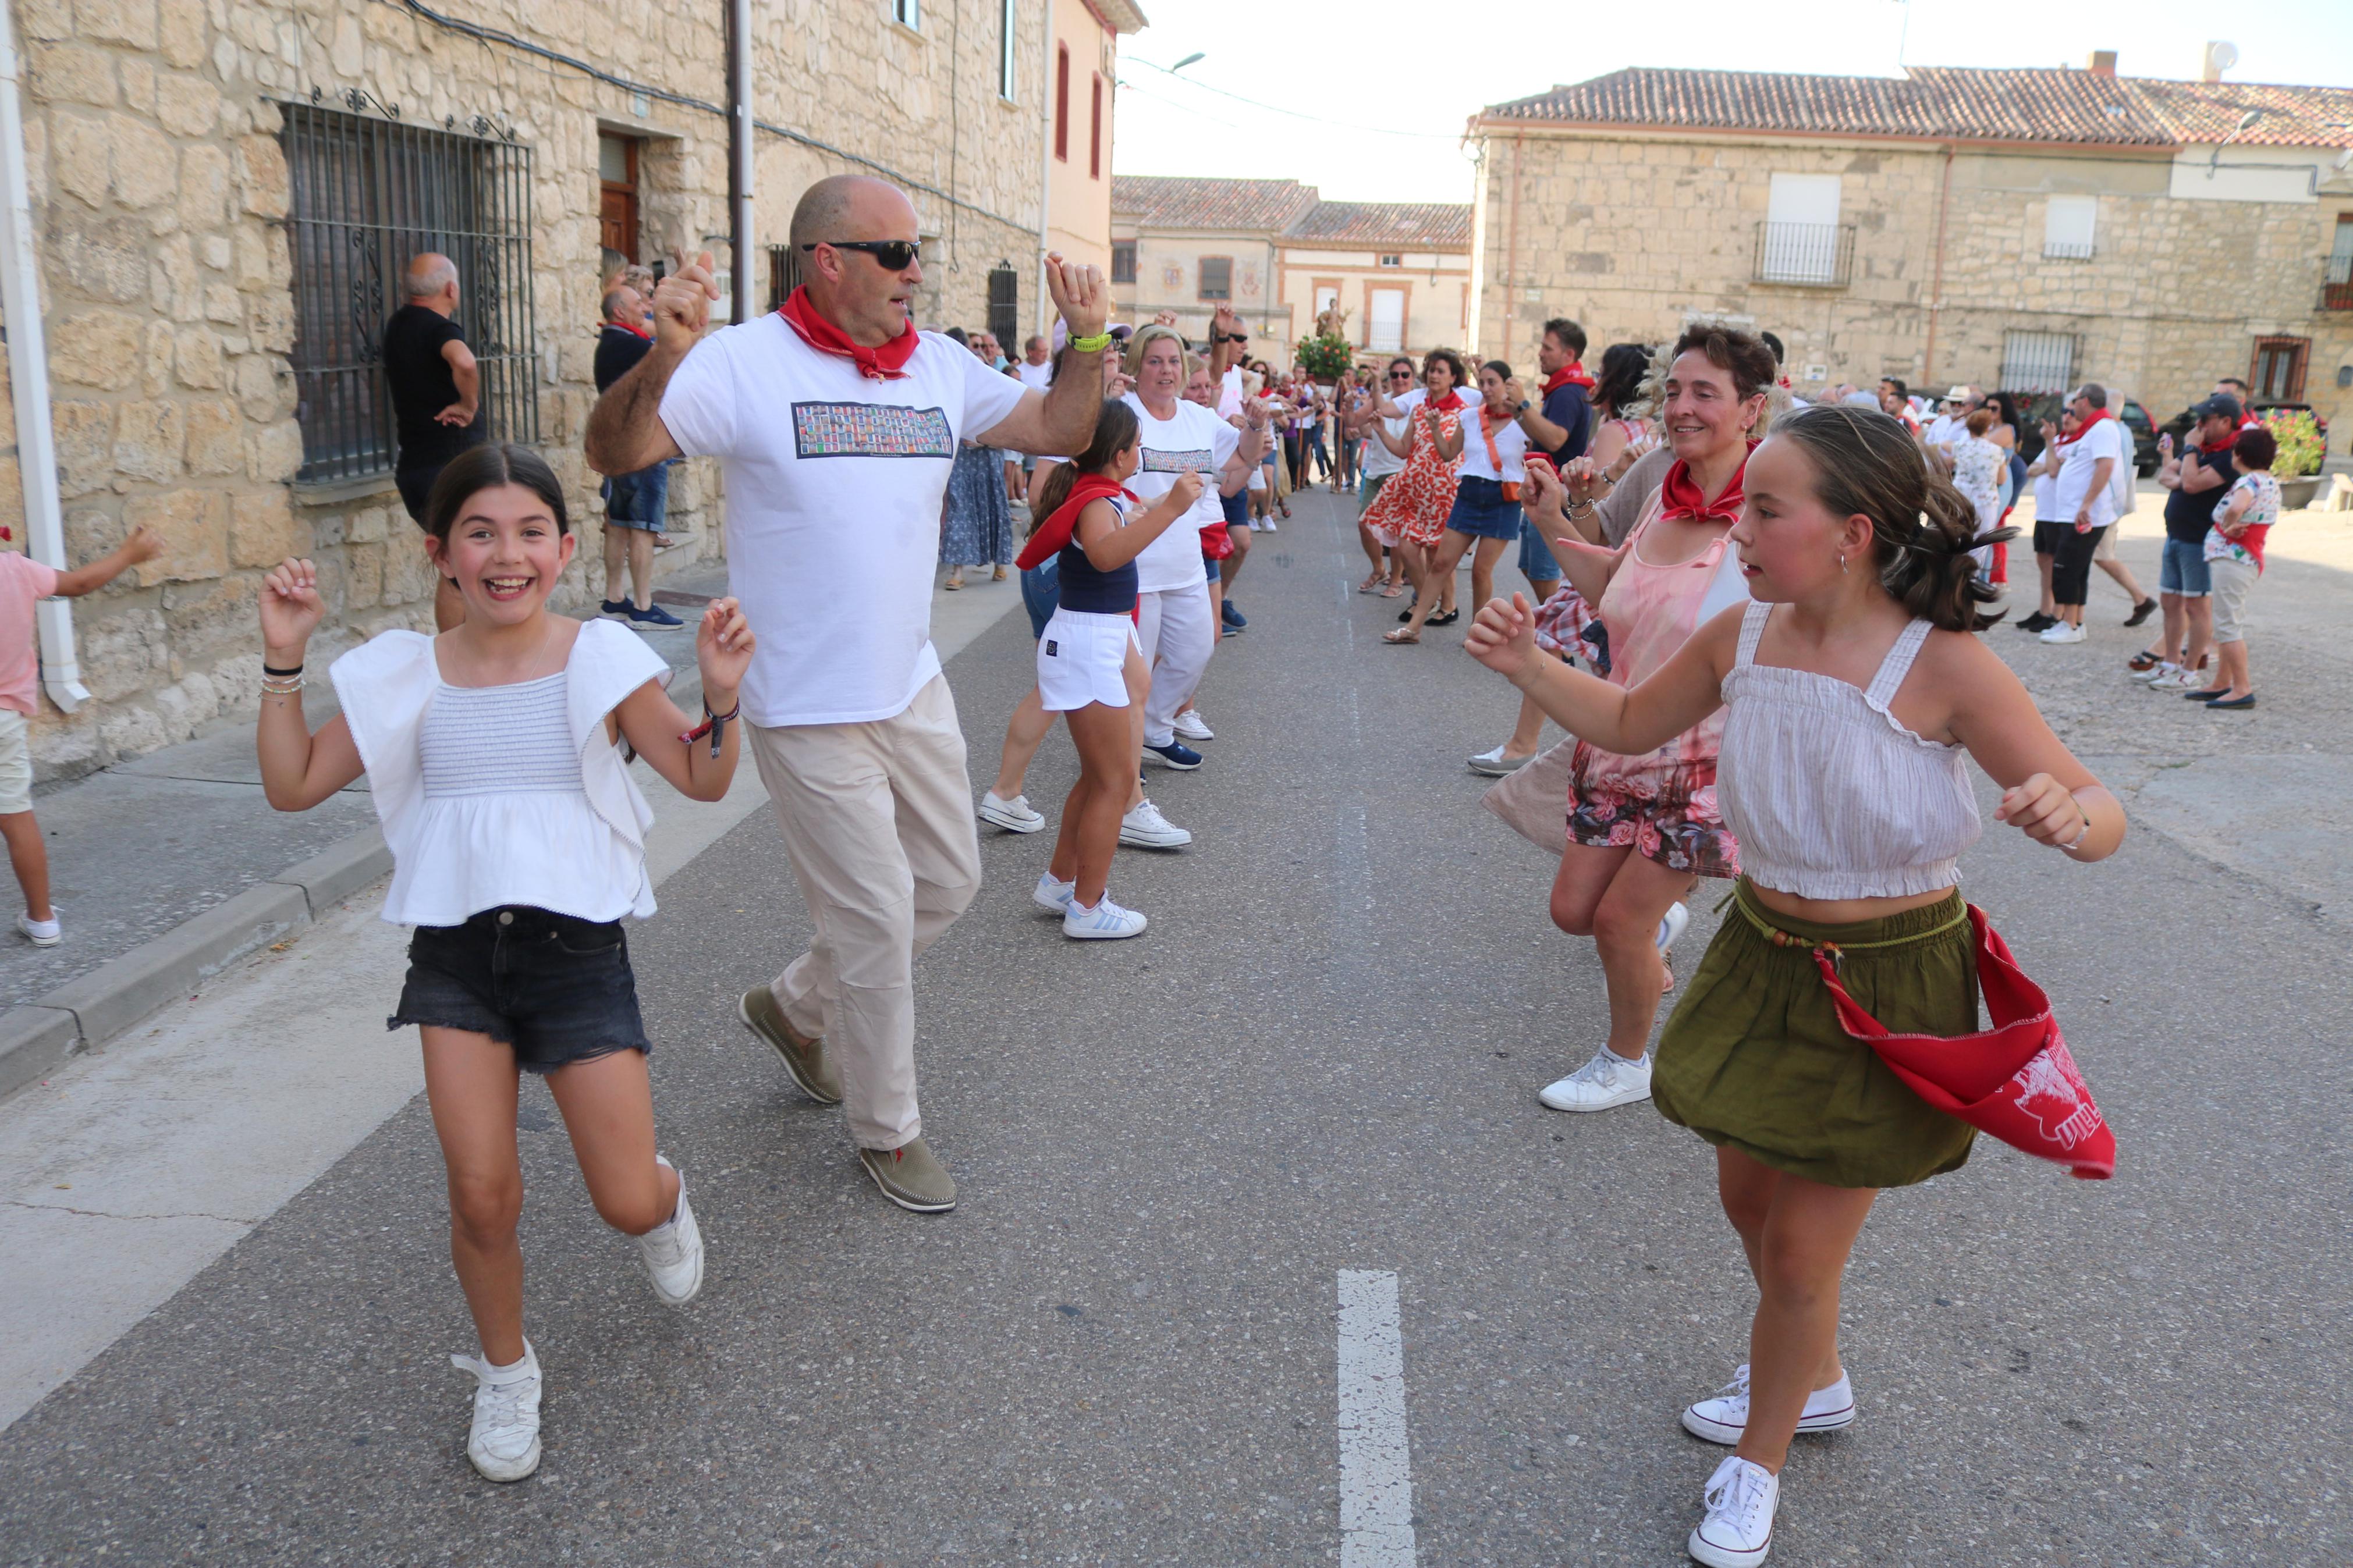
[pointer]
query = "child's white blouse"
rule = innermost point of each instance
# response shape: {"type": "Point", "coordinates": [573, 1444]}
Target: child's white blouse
{"type": "Point", "coordinates": [544, 841]}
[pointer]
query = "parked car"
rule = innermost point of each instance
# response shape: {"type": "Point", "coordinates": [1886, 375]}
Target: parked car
{"type": "Point", "coordinates": [2035, 407]}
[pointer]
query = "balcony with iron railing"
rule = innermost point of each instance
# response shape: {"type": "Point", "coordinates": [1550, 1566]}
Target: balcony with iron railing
{"type": "Point", "coordinates": [2337, 284]}
{"type": "Point", "coordinates": [2067, 250]}
{"type": "Point", "coordinates": [1808, 254]}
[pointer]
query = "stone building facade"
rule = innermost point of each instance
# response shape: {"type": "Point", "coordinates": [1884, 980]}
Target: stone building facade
{"type": "Point", "coordinates": [2017, 228]}
{"type": "Point", "coordinates": [1281, 256]}
{"type": "Point", "coordinates": [217, 196]}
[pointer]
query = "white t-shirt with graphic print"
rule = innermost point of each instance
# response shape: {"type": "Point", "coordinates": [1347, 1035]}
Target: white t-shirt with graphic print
{"type": "Point", "coordinates": [1194, 441]}
{"type": "Point", "coordinates": [834, 488]}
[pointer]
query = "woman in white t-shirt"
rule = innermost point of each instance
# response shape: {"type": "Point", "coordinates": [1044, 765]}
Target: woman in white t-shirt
{"type": "Point", "coordinates": [1378, 464]}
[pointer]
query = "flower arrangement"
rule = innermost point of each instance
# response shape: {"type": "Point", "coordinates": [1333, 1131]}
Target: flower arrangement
{"type": "Point", "coordinates": [1326, 355]}
{"type": "Point", "coordinates": [2300, 445]}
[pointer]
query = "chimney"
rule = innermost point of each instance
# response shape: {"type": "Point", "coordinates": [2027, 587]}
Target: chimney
{"type": "Point", "coordinates": [2103, 62]}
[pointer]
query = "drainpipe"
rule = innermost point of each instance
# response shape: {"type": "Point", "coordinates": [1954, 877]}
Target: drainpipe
{"type": "Point", "coordinates": [29, 376]}
{"type": "Point", "coordinates": [739, 150]}
{"type": "Point", "coordinates": [1936, 287]}
{"type": "Point", "coordinates": [1511, 259]}
{"type": "Point", "coordinates": [1046, 170]}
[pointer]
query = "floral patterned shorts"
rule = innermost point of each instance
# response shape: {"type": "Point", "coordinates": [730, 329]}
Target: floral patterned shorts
{"type": "Point", "coordinates": [1669, 816]}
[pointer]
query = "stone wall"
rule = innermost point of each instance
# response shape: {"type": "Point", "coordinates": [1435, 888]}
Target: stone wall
{"type": "Point", "coordinates": [161, 197]}
{"type": "Point", "coordinates": [1630, 236]}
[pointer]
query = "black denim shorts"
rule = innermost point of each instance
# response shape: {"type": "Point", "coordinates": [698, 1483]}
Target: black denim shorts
{"type": "Point", "coordinates": [559, 990]}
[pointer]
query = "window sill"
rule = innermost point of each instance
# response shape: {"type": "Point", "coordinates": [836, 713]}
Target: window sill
{"type": "Point", "coordinates": [896, 26]}
{"type": "Point", "coordinates": [332, 492]}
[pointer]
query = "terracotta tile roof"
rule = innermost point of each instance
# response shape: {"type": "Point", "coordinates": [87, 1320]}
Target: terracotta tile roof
{"type": "Point", "coordinates": [1420, 226]}
{"type": "Point", "coordinates": [2035, 105]}
{"type": "Point", "coordinates": [1159, 202]}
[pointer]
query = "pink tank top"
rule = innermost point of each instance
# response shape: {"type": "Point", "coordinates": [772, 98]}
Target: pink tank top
{"type": "Point", "coordinates": [1650, 611]}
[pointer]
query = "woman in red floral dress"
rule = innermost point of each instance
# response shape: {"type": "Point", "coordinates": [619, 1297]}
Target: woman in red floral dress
{"type": "Point", "coordinates": [1409, 514]}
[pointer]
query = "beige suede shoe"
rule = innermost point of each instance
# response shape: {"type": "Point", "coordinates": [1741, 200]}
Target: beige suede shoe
{"type": "Point", "coordinates": [911, 1176]}
{"type": "Point", "coordinates": [805, 1059]}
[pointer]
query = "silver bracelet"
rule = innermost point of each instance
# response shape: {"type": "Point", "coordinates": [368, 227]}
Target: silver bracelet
{"type": "Point", "coordinates": [2078, 843]}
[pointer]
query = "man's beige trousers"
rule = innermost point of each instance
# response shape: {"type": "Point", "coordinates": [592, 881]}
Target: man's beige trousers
{"type": "Point", "coordinates": [878, 824]}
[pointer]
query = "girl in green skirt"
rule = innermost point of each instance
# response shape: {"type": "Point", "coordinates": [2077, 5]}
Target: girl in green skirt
{"type": "Point", "coordinates": [1853, 689]}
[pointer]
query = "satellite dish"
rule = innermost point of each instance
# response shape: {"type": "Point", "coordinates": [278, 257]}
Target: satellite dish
{"type": "Point", "coordinates": [2220, 58]}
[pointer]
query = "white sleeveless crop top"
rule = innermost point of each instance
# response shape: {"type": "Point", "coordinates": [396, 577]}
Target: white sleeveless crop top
{"type": "Point", "coordinates": [1830, 796]}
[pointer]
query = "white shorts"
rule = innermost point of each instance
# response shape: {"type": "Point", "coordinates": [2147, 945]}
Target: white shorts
{"type": "Point", "coordinates": [1083, 659]}
{"type": "Point", "coordinates": [15, 764]}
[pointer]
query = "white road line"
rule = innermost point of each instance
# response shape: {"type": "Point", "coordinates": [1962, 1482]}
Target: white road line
{"type": "Point", "coordinates": [1375, 1466]}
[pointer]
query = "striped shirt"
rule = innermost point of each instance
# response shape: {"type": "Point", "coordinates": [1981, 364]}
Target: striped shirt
{"type": "Point", "coordinates": [501, 740]}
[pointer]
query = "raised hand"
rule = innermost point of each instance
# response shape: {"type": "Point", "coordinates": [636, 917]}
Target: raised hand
{"type": "Point", "coordinates": [145, 544]}
{"type": "Point", "coordinates": [1582, 481]}
{"type": "Point", "coordinates": [1164, 319]}
{"type": "Point", "coordinates": [1079, 294]}
{"type": "Point", "coordinates": [1224, 322]}
{"type": "Point", "coordinates": [723, 651]}
{"type": "Point", "coordinates": [1185, 492]}
{"type": "Point", "coordinates": [290, 611]}
{"type": "Point", "coordinates": [1503, 635]}
{"type": "Point", "coordinates": [1513, 394]}
{"type": "Point", "coordinates": [682, 301]}
{"type": "Point", "coordinates": [1635, 452]}
{"type": "Point", "coordinates": [2045, 811]}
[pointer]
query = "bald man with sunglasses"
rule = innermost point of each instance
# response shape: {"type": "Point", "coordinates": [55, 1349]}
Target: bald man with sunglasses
{"type": "Point", "coordinates": [835, 424]}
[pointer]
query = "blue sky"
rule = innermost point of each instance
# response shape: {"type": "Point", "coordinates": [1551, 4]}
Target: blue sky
{"type": "Point", "coordinates": [1380, 90]}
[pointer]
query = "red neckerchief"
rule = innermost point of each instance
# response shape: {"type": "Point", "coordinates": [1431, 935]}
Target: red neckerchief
{"type": "Point", "coordinates": [2217, 448]}
{"type": "Point", "coordinates": [1680, 497]}
{"type": "Point", "coordinates": [2097, 414]}
{"type": "Point", "coordinates": [887, 362]}
{"type": "Point", "coordinates": [1056, 530]}
{"type": "Point", "coordinates": [1573, 374]}
{"type": "Point", "coordinates": [633, 331]}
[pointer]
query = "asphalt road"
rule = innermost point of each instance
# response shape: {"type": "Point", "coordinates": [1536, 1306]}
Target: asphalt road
{"type": "Point", "coordinates": [1322, 1057]}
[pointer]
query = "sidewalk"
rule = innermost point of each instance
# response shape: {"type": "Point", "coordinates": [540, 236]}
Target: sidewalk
{"type": "Point", "coordinates": [168, 867]}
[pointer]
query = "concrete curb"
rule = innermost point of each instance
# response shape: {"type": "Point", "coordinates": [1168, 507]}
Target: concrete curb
{"type": "Point", "coordinates": [117, 995]}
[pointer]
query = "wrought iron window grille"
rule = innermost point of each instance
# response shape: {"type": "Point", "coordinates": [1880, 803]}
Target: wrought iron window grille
{"type": "Point", "coordinates": [1807, 255]}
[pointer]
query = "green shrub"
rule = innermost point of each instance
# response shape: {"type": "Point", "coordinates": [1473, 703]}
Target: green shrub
{"type": "Point", "coordinates": [2300, 448]}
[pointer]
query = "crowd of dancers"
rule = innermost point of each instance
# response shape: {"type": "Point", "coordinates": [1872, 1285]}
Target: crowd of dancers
{"type": "Point", "coordinates": [1764, 654]}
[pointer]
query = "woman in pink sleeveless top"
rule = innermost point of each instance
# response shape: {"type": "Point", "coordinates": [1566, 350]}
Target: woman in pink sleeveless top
{"type": "Point", "coordinates": [1641, 829]}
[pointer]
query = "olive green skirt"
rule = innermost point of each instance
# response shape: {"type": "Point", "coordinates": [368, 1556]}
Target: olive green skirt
{"type": "Point", "coordinates": [1754, 1059]}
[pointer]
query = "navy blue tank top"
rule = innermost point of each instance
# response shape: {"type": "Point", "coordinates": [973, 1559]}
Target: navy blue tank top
{"type": "Point", "coordinates": [1110, 592]}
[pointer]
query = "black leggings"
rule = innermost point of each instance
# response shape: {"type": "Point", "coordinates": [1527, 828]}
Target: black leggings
{"type": "Point", "coordinates": [2071, 566]}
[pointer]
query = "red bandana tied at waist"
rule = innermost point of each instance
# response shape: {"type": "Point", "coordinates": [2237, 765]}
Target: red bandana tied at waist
{"type": "Point", "coordinates": [2085, 428]}
{"type": "Point", "coordinates": [1053, 534]}
{"type": "Point", "coordinates": [1573, 374]}
{"type": "Point", "coordinates": [887, 362]}
{"type": "Point", "coordinates": [1680, 496]}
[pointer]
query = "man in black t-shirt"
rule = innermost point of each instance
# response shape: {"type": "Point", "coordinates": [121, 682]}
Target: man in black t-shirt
{"type": "Point", "coordinates": [2193, 480]}
{"type": "Point", "coordinates": [637, 506]}
{"type": "Point", "coordinates": [436, 393]}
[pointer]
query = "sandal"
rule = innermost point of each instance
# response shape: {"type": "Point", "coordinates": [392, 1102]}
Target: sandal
{"type": "Point", "coordinates": [999, 575]}
{"type": "Point", "coordinates": [1393, 591]}
{"type": "Point", "coordinates": [954, 581]}
{"type": "Point", "coordinates": [1371, 584]}
{"type": "Point", "coordinates": [1401, 636]}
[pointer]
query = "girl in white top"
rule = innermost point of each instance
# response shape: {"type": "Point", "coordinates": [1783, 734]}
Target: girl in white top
{"type": "Point", "coordinates": [1854, 687]}
{"type": "Point", "coordinates": [518, 843]}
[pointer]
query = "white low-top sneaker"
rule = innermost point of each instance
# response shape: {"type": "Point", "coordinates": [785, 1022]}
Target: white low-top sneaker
{"type": "Point", "coordinates": [1106, 923]}
{"type": "Point", "coordinates": [1192, 726]}
{"type": "Point", "coordinates": [1013, 815]}
{"type": "Point", "coordinates": [2154, 673]}
{"type": "Point", "coordinates": [504, 1442]}
{"type": "Point", "coordinates": [1608, 1080]}
{"type": "Point", "coordinates": [1738, 1530]}
{"type": "Point", "coordinates": [1724, 1417]}
{"type": "Point", "coordinates": [1051, 896]}
{"type": "Point", "coordinates": [1671, 926]}
{"type": "Point", "coordinates": [673, 1251]}
{"type": "Point", "coordinates": [2063, 633]}
{"type": "Point", "coordinates": [1494, 764]}
{"type": "Point", "coordinates": [41, 933]}
{"type": "Point", "coordinates": [1144, 828]}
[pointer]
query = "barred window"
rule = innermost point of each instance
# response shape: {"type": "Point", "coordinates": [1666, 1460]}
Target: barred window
{"type": "Point", "coordinates": [2038, 362]}
{"type": "Point", "coordinates": [1123, 261]}
{"type": "Point", "coordinates": [1217, 277]}
{"type": "Point", "coordinates": [367, 195]}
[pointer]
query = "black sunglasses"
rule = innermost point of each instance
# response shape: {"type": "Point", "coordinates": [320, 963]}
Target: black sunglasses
{"type": "Point", "coordinates": [895, 255]}
{"type": "Point", "coordinates": [1404, 375]}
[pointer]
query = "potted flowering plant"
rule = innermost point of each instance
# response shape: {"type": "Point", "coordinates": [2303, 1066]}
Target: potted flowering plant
{"type": "Point", "coordinates": [2301, 448]}
{"type": "Point", "coordinates": [1326, 355]}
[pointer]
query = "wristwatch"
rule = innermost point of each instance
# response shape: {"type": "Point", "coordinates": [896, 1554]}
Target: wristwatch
{"type": "Point", "coordinates": [1524, 405]}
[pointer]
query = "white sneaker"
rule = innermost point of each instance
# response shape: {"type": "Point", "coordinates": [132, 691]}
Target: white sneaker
{"type": "Point", "coordinates": [1013, 815]}
{"type": "Point", "coordinates": [1608, 1080]}
{"type": "Point", "coordinates": [2178, 679]}
{"type": "Point", "coordinates": [1051, 896]}
{"type": "Point", "coordinates": [2154, 673]}
{"type": "Point", "coordinates": [1725, 1416]}
{"type": "Point", "coordinates": [1672, 927]}
{"type": "Point", "coordinates": [504, 1442]}
{"type": "Point", "coordinates": [1494, 764]}
{"type": "Point", "coordinates": [673, 1251]}
{"type": "Point", "coordinates": [2061, 632]}
{"type": "Point", "coordinates": [1190, 725]}
{"type": "Point", "coordinates": [1146, 829]}
{"type": "Point", "coordinates": [1106, 923]}
{"type": "Point", "coordinates": [42, 933]}
{"type": "Point", "coordinates": [1738, 1530]}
